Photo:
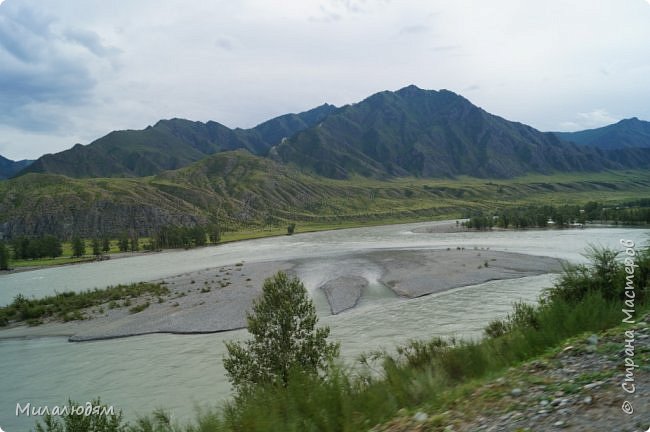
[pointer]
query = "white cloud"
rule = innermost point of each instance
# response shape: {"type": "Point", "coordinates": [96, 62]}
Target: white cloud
{"type": "Point", "coordinates": [589, 120]}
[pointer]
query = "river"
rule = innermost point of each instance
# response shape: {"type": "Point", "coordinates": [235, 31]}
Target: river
{"type": "Point", "coordinates": [180, 372]}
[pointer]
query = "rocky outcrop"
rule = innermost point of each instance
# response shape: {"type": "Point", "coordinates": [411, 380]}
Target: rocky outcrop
{"type": "Point", "coordinates": [97, 218]}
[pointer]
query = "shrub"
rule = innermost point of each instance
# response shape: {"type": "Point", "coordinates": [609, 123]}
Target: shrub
{"type": "Point", "coordinates": [73, 422]}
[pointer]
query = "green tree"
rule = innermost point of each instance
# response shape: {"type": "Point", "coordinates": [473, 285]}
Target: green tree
{"type": "Point", "coordinates": [4, 256]}
{"type": "Point", "coordinates": [123, 243]}
{"type": "Point", "coordinates": [106, 244]}
{"type": "Point", "coordinates": [78, 247]}
{"type": "Point", "coordinates": [285, 338]}
{"type": "Point", "coordinates": [198, 235]}
{"type": "Point", "coordinates": [51, 246]}
{"type": "Point", "coordinates": [135, 243]}
{"type": "Point", "coordinates": [97, 247]}
{"type": "Point", "coordinates": [214, 233]}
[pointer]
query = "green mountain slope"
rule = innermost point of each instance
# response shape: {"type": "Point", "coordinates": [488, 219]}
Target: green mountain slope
{"type": "Point", "coordinates": [434, 134]}
{"type": "Point", "coordinates": [169, 144]}
{"type": "Point", "coordinates": [239, 190]}
{"type": "Point", "coordinates": [627, 133]}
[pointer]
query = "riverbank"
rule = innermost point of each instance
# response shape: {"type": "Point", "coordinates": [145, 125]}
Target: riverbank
{"type": "Point", "coordinates": [217, 299]}
{"type": "Point", "coordinates": [576, 387]}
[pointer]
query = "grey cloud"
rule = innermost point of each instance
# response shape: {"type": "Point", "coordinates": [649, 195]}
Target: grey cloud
{"type": "Point", "coordinates": [22, 31]}
{"type": "Point", "coordinates": [42, 69]}
{"type": "Point", "coordinates": [91, 41]}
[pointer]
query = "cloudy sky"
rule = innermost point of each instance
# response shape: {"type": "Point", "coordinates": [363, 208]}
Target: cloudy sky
{"type": "Point", "coordinates": [73, 70]}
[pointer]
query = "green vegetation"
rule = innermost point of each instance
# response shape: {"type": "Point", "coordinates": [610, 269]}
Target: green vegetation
{"type": "Point", "coordinates": [184, 237]}
{"type": "Point", "coordinates": [427, 375]}
{"type": "Point", "coordinates": [78, 247]}
{"type": "Point", "coordinates": [69, 305]}
{"type": "Point", "coordinates": [75, 419]}
{"type": "Point", "coordinates": [97, 247]}
{"type": "Point", "coordinates": [285, 340]}
{"type": "Point", "coordinates": [4, 256]}
{"type": "Point", "coordinates": [139, 308]}
{"type": "Point", "coordinates": [34, 248]}
{"type": "Point", "coordinates": [541, 216]}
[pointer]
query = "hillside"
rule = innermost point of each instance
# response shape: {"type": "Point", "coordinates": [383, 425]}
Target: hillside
{"type": "Point", "coordinates": [424, 133]}
{"type": "Point", "coordinates": [169, 144]}
{"type": "Point", "coordinates": [627, 133]}
{"type": "Point", "coordinates": [9, 168]}
{"type": "Point", "coordinates": [240, 191]}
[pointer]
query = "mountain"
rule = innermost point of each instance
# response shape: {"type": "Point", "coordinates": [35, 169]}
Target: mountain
{"type": "Point", "coordinates": [168, 145]}
{"type": "Point", "coordinates": [425, 133]}
{"type": "Point", "coordinates": [409, 132]}
{"type": "Point", "coordinates": [9, 168]}
{"type": "Point", "coordinates": [627, 133]}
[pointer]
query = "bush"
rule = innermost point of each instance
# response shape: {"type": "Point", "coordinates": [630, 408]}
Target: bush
{"type": "Point", "coordinates": [139, 308]}
{"type": "Point", "coordinates": [72, 422]}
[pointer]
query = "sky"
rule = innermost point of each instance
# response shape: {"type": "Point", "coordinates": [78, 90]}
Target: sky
{"type": "Point", "coordinates": [73, 70]}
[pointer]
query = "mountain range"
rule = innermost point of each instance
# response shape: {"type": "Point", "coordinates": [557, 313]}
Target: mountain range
{"type": "Point", "coordinates": [410, 132]}
{"type": "Point", "coordinates": [304, 166]}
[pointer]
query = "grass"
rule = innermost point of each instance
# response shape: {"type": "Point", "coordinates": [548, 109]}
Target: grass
{"type": "Point", "coordinates": [70, 305]}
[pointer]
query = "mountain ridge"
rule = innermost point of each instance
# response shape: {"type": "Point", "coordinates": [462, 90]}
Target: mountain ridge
{"type": "Point", "coordinates": [167, 145]}
{"type": "Point", "coordinates": [626, 133]}
{"type": "Point", "coordinates": [427, 133]}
